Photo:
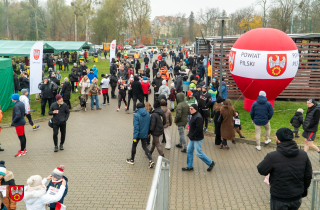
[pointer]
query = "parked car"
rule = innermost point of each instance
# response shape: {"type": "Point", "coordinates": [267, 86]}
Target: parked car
{"type": "Point", "coordinates": [132, 52]}
{"type": "Point", "coordinates": [127, 47]}
{"type": "Point", "coordinates": [139, 46]}
{"type": "Point", "coordinates": [155, 49]}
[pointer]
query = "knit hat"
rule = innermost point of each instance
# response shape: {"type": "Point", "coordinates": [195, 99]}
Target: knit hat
{"type": "Point", "coordinates": [284, 134]}
{"type": "Point", "coordinates": [15, 97]}
{"type": "Point", "coordinates": [219, 99]}
{"type": "Point", "coordinates": [300, 110]}
{"type": "Point", "coordinates": [140, 105]}
{"type": "Point", "coordinates": [189, 93]}
{"type": "Point", "coordinates": [58, 97]}
{"type": "Point", "coordinates": [74, 64]}
{"type": "Point", "coordinates": [147, 65]}
{"type": "Point", "coordinates": [94, 65]}
{"type": "Point", "coordinates": [172, 84]}
{"type": "Point", "coordinates": [205, 87]}
{"type": "Point", "coordinates": [58, 172]}
{"type": "Point", "coordinates": [195, 106]}
{"type": "Point", "coordinates": [145, 78]}
{"type": "Point", "coordinates": [3, 169]}
{"type": "Point", "coordinates": [312, 100]}
{"type": "Point", "coordinates": [158, 73]}
{"type": "Point", "coordinates": [35, 183]}
{"type": "Point", "coordinates": [23, 91]}
{"type": "Point", "coordinates": [262, 93]}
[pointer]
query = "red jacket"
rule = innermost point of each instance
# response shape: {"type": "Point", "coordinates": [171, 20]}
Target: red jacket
{"type": "Point", "coordinates": [172, 96]}
{"type": "Point", "coordinates": [85, 54]}
{"type": "Point", "coordinates": [145, 87]}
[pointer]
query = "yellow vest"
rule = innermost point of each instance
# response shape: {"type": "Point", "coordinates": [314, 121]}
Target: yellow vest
{"type": "Point", "coordinates": [209, 71]}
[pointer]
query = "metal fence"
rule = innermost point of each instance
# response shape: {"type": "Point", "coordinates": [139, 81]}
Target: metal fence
{"type": "Point", "coordinates": [315, 197]}
{"type": "Point", "coordinates": [159, 193]}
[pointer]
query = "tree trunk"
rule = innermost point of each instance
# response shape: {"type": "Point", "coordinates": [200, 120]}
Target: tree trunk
{"type": "Point", "coordinates": [87, 25]}
{"type": "Point", "coordinates": [36, 21]}
{"type": "Point", "coordinates": [8, 26]}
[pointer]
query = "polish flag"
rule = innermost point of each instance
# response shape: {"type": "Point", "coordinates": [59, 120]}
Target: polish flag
{"type": "Point", "coordinates": [60, 206]}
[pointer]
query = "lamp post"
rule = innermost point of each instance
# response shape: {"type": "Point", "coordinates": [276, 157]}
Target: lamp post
{"type": "Point", "coordinates": [222, 19]}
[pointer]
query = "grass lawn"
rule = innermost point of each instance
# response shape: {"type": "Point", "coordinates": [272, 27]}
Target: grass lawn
{"type": "Point", "coordinates": [103, 68]}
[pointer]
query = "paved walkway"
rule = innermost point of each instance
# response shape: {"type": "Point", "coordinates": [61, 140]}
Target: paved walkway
{"type": "Point", "coordinates": [97, 145]}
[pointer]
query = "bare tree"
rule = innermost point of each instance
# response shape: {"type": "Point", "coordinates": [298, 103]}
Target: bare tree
{"type": "Point", "coordinates": [265, 7]}
{"type": "Point", "coordinates": [34, 4]}
{"type": "Point", "coordinates": [281, 13]}
{"type": "Point", "coordinates": [207, 18]}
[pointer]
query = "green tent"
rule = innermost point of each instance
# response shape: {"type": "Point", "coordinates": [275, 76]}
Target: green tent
{"type": "Point", "coordinates": [6, 83]}
{"type": "Point", "coordinates": [68, 45]}
{"type": "Point", "coordinates": [21, 48]}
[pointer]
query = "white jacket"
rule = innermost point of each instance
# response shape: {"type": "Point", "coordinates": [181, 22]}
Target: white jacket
{"type": "Point", "coordinates": [37, 199]}
{"type": "Point", "coordinates": [24, 99]}
{"type": "Point", "coordinates": [164, 90]}
{"type": "Point", "coordinates": [105, 83]}
{"type": "Point", "coordinates": [85, 86]}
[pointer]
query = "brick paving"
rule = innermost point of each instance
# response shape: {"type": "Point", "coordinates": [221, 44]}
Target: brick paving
{"type": "Point", "coordinates": [97, 145]}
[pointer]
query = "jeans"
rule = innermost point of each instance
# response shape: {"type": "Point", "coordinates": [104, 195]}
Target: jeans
{"type": "Point", "coordinates": [258, 132]}
{"type": "Point", "coordinates": [182, 137]}
{"type": "Point", "coordinates": [144, 147]}
{"type": "Point", "coordinates": [44, 102]}
{"type": "Point", "coordinates": [198, 146]}
{"type": "Point", "coordinates": [280, 205]}
{"type": "Point", "coordinates": [63, 129]}
{"type": "Point", "coordinates": [94, 97]}
{"type": "Point", "coordinates": [172, 104]}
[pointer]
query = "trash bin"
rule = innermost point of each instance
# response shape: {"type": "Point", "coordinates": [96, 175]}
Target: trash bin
{"type": "Point", "coordinates": [95, 58]}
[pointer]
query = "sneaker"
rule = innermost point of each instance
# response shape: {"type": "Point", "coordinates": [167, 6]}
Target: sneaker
{"type": "Point", "coordinates": [99, 108]}
{"type": "Point", "coordinates": [178, 145]}
{"type": "Point", "coordinates": [92, 109]}
{"type": "Point", "coordinates": [56, 149]}
{"type": "Point", "coordinates": [19, 153]}
{"type": "Point", "coordinates": [118, 110]}
{"type": "Point", "coordinates": [187, 169]}
{"type": "Point", "coordinates": [258, 148]}
{"type": "Point", "coordinates": [36, 127]}
{"type": "Point", "coordinates": [297, 136]}
{"type": "Point", "coordinates": [130, 161]}
{"type": "Point", "coordinates": [242, 137]}
{"type": "Point", "coordinates": [25, 151]}
{"type": "Point", "coordinates": [103, 104]}
{"type": "Point", "coordinates": [205, 130]}
{"type": "Point", "coordinates": [1, 149]}
{"type": "Point", "coordinates": [233, 142]}
{"type": "Point", "coordinates": [108, 103]}
{"type": "Point", "coordinates": [211, 166]}
{"type": "Point", "coordinates": [267, 141]}
{"type": "Point", "coordinates": [61, 147]}
{"type": "Point", "coordinates": [126, 107]}
{"type": "Point", "coordinates": [42, 115]}
{"type": "Point", "coordinates": [184, 150]}
{"type": "Point", "coordinates": [151, 164]}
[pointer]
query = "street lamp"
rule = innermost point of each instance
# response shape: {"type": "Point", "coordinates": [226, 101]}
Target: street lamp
{"type": "Point", "coordinates": [222, 19]}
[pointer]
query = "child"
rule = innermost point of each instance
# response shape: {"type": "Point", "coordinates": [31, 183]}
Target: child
{"type": "Point", "coordinates": [122, 88]}
{"type": "Point", "coordinates": [296, 121]}
{"type": "Point", "coordinates": [237, 126]}
{"type": "Point", "coordinates": [172, 96]}
{"type": "Point", "coordinates": [55, 183]}
{"type": "Point", "coordinates": [24, 99]}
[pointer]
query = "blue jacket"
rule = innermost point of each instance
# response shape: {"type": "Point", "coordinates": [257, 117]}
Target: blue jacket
{"type": "Point", "coordinates": [95, 71]}
{"type": "Point", "coordinates": [202, 70]}
{"type": "Point", "coordinates": [92, 76]}
{"type": "Point", "coordinates": [261, 111]}
{"type": "Point", "coordinates": [224, 91]}
{"type": "Point", "coordinates": [18, 114]}
{"type": "Point", "coordinates": [53, 205]}
{"type": "Point", "coordinates": [141, 124]}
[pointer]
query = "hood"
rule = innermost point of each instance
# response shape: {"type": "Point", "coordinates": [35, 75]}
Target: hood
{"type": "Point", "coordinates": [164, 82]}
{"type": "Point", "coordinates": [136, 79]}
{"type": "Point", "coordinates": [180, 97]}
{"type": "Point", "coordinates": [94, 68]}
{"type": "Point", "coordinates": [31, 197]}
{"type": "Point", "coordinates": [298, 114]}
{"type": "Point", "coordinates": [158, 110]}
{"type": "Point", "coordinates": [288, 148]}
{"type": "Point", "coordinates": [8, 176]}
{"type": "Point", "coordinates": [164, 108]}
{"type": "Point", "coordinates": [262, 100]}
{"type": "Point", "coordinates": [143, 112]}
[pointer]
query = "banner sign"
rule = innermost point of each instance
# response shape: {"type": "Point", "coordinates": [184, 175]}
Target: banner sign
{"type": "Point", "coordinates": [36, 54]}
{"type": "Point", "coordinates": [113, 50]}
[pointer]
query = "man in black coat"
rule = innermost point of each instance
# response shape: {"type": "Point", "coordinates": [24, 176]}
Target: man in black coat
{"type": "Point", "coordinates": [16, 83]}
{"type": "Point", "coordinates": [156, 83]}
{"type": "Point", "coordinates": [137, 92]}
{"type": "Point", "coordinates": [113, 68]}
{"type": "Point", "coordinates": [195, 140]}
{"type": "Point", "coordinates": [155, 68]}
{"type": "Point", "coordinates": [177, 70]}
{"type": "Point", "coordinates": [178, 83]}
{"type": "Point", "coordinates": [50, 62]}
{"type": "Point", "coordinates": [290, 172]}
{"type": "Point", "coordinates": [146, 60]}
{"type": "Point", "coordinates": [83, 69]}
{"type": "Point", "coordinates": [113, 83]}
{"type": "Point", "coordinates": [74, 77]}
{"type": "Point", "coordinates": [60, 112]}
{"type": "Point", "coordinates": [204, 105]}
{"type": "Point", "coordinates": [47, 87]}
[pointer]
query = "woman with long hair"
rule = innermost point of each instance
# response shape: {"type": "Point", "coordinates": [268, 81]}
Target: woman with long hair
{"type": "Point", "coordinates": [216, 112]}
{"type": "Point", "coordinates": [227, 113]}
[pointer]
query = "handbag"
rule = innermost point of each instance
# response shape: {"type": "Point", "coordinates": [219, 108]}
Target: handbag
{"type": "Point", "coordinates": [50, 124]}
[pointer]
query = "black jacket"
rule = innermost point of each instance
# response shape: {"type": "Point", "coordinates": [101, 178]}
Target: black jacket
{"type": "Point", "coordinates": [16, 82]}
{"type": "Point", "coordinates": [50, 61]}
{"type": "Point", "coordinates": [194, 76]}
{"type": "Point", "coordinates": [196, 127]}
{"type": "Point", "coordinates": [178, 84]}
{"type": "Point", "coordinates": [138, 66]}
{"type": "Point", "coordinates": [113, 81]}
{"type": "Point", "coordinates": [47, 89]}
{"type": "Point", "coordinates": [122, 89]}
{"type": "Point", "coordinates": [55, 80]}
{"type": "Point", "coordinates": [146, 60]}
{"type": "Point", "coordinates": [297, 120]}
{"type": "Point", "coordinates": [66, 91]}
{"type": "Point", "coordinates": [176, 70]}
{"type": "Point", "coordinates": [62, 116]}
{"type": "Point", "coordinates": [204, 100]}
{"type": "Point", "coordinates": [155, 68]}
{"type": "Point", "coordinates": [24, 82]}
{"type": "Point", "coordinates": [196, 94]}
{"type": "Point", "coordinates": [74, 76]}
{"type": "Point", "coordinates": [136, 87]}
{"type": "Point", "coordinates": [290, 171]}
{"type": "Point", "coordinates": [83, 70]}
{"type": "Point", "coordinates": [156, 124]}
{"type": "Point", "coordinates": [311, 120]}
{"type": "Point", "coordinates": [18, 113]}
{"type": "Point", "coordinates": [113, 69]}
{"type": "Point", "coordinates": [156, 82]}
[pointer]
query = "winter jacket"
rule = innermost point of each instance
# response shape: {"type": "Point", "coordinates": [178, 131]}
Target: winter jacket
{"type": "Point", "coordinates": [24, 82]}
{"type": "Point", "coordinates": [62, 116]}
{"type": "Point", "coordinates": [85, 85]}
{"type": "Point", "coordinates": [191, 101]}
{"type": "Point", "coordinates": [66, 91]}
{"type": "Point", "coordinates": [146, 60]}
{"type": "Point", "coordinates": [47, 89]}
{"type": "Point", "coordinates": [66, 61]}
{"type": "Point", "coordinates": [156, 123]}
{"type": "Point", "coordinates": [24, 99]}
{"type": "Point", "coordinates": [113, 81]}
{"type": "Point", "coordinates": [176, 70]}
{"type": "Point", "coordinates": [50, 61]}
{"type": "Point", "coordinates": [290, 171]}
{"type": "Point", "coordinates": [182, 110]}
{"type": "Point", "coordinates": [224, 91]}
{"type": "Point", "coordinates": [83, 70]}
{"type": "Point", "coordinates": [57, 186]}
{"type": "Point", "coordinates": [213, 93]}
{"type": "Point", "coordinates": [60, 61]}
{"type": "Point", "coordinates": [157, 82]}
{"type": "Point", "coordinates": [91, 76]}
{"type": "Point", "coordinates": [141, 124]}
{"type": "Point", "coordinates": [122, 89]}
{"type": "Point", "coordinates": [311, 120]}
{"type": "Point", "coordinates": [55, 80]}
{"type": "Point", "coordinates": [164, 89]}
{"type": "Point", "coordinates": [77, 69]}
{"type": "Point", "coordinates": [37, 199]}
{"type": "Point", "coordinates": [94, 89]}
{"type": "Point", "coordinates": [123, 74]}
{"type": "Point", "coordinates": [95, 71]}
{"type": "Point", "coordinates": [8, 180]}
{"type": "Point", "coordinates": [130, 72]}
{"type": "Point", "coordinates": [138, 66]}
{"type": "Point", "coordinates": [196, 127]}
{"type": "Point", "coordinates": [74, 76]}
{"type": "Point", "coordinates": [59, 77]}
{"type": "Point", "coordinates": [172, 96]}
{"type": "Point", "coordinates": [155, 68]}
{"type": "Point", "coordinates": [261, 111]}
{"type": "Point", "coordinates": [113, 68]}
{"type": "Point", "coordinates": [145, 86]}
{"type": "Point", "coordinates": [196, 94]}
{"type": "Point", "coordinates": [168, 114]}
{"type": "Point", "coordinates": [204, 100]}
{"type": "Point", "coordinates": [105, 83]}
{"type": "Point", "coordinates": [18, 113]}
{"type": "Point", "coordinates": [202, 70]}
{"type": "Point", "coordinates": [16, 82]}
{"type": "Point", "coordinates": [297, 120]}
{"type": "Point", "coordinates": [178, 84]}
{"type": "Point", "coordinates": [136, 87]}
{"type": "Point", "coordinates": [227, 124]}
